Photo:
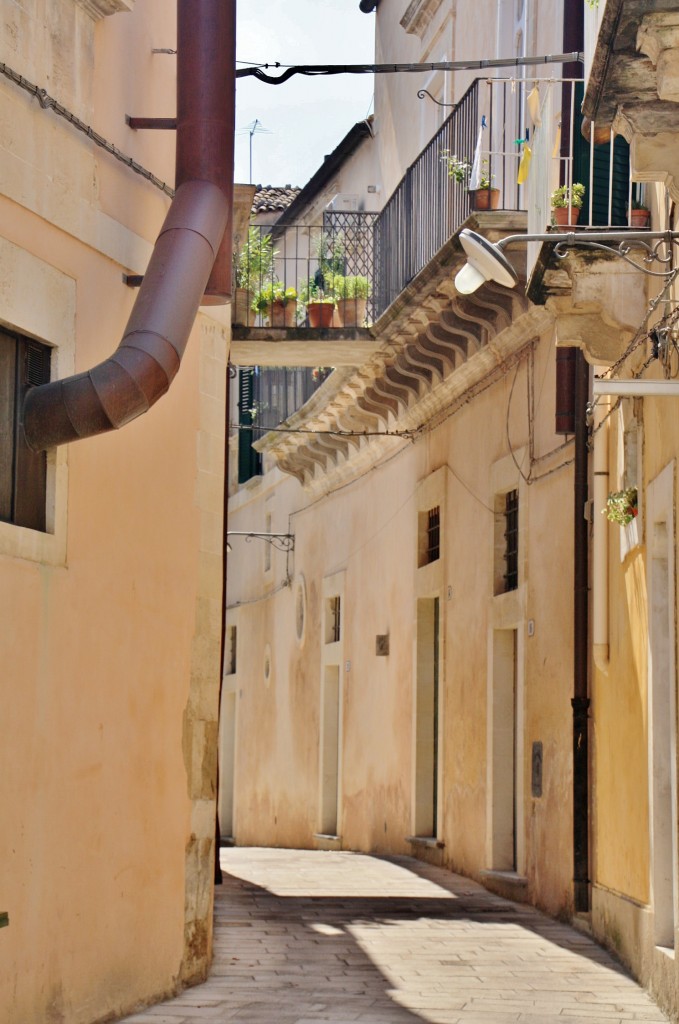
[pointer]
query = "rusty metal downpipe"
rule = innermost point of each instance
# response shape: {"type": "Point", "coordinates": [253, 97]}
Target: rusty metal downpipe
{"type": "Point", "coordinates": [190, 264]}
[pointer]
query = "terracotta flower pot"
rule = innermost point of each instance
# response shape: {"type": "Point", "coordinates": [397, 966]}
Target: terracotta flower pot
{"type": "Point", "coordinates": [485, 198]}
{"type": "Point", "coordinates": [352, 312]}
{"type": "Point", "coordinates": [282, 314]}
{"type": "Point", "coordinates": [638, 218]}
{"type": "Point", "coordinates": [320, 313]}
{"type": "Point", "coordinates": [560, 215]}
{"type": "Point", "coordinates": [241, 312]}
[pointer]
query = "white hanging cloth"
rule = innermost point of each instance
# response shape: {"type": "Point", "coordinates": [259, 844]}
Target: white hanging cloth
{"type": "Point", "coordinates": [475, 174]}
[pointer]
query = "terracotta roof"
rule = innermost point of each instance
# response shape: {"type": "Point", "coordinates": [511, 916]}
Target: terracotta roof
{"type": "Point", "coordinates": [272, 199]}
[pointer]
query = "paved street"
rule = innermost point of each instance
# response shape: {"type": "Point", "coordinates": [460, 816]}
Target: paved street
{"type": "Point", "coordinates": [313, 937]}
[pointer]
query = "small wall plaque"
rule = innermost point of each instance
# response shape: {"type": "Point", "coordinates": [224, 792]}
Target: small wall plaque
{"type": "Point", "coordinates": [382, 644]}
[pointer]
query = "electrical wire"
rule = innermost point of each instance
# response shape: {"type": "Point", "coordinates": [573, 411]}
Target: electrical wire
{"type": "Point", "coordinates": [48, 102]}
{"type": "Point", "coordinates": [312, 70]}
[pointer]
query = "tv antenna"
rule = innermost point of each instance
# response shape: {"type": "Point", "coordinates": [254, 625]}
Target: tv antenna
{"type": "Point", "coordinates": [255, 128]}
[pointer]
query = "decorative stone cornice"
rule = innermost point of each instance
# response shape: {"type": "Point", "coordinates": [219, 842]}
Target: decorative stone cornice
{"type": "Point", "coordinates": [597, 303]}
{"type": "Point", "coordinates": [436, 347]}
{"type": "Point", "coordinates": [419, 15]}
{"type": "Point", "coordinates": [102, 8]}
{"type": "Point", "coordinates": [634, 82]}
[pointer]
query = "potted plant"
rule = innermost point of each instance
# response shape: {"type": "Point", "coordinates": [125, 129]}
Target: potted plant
{"type": "Point", "coordinates": [458, 169]}
{"type": "Point", "coordinates": [639, 215]}
{"type": "Point", "coordinates": [352, 295]}
{"type": "Point", "coordinates": [277, 304]}
{"type": "Point", "coordinates": [622, 506]}
{"type": "Point", "coordinates": [567, 203]}
{"type": "Point", "coordinates": [251, 265]}
{"type": "Point", "coordinates": [485, 197]}
{"type": "Point", "coordinates": [319, 306]}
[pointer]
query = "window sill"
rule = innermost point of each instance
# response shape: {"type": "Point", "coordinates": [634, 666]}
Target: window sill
{"type": "Point", "coordinates": [507, 879]}
{"type": "Point", "coordinates": [323, 841]}
{"type": "Point", "coordinates": [429, 841]}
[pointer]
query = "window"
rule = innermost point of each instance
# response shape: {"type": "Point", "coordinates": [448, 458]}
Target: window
{"type": "Point", "coordinates": [506, 556]}
{"type": "Point", "coordinates": [332, 620]}
{"type": "Point", "coordinates": [429, 542]}
{"type": "Point", "coordinates": [433, 533]}
{"type": "Point", "coordinates": [511, 575]}
{"type": "Point", "coordinates": [231, 647]}
{"type": "Point", "coordinates": [24, 363]}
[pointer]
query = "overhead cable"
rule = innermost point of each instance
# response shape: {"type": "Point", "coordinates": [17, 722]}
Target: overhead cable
{"type": "Point", "coordinates": [390, 69]}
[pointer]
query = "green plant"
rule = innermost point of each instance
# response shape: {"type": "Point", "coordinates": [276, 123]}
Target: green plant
{"type": "Point", "coordinates": [254, 261]}
{"type": "Point", "coordinates": [270, 293]}
{"type": "Point", "coordinates": [638, 205]}
{"type": "Point", "coordinates": [563, 196]}
{"type": "Point", "coordinates": [458, 169]}
{"type": "Point", "coordinates": [312, 291]}
{"type": "Point", "coordinates": [330, 254]}
{"type": "Point", "coordinates": [485, 177]}
{"type": "Point", "coordinates": [621, 506]}
{"type": "Point", "coordinates": [352, 287]}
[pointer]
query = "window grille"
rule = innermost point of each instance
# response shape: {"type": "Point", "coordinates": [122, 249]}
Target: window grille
{"type": "Point", "coordinates": [511, 576]}
{"type": "Point", "coordinates": [433, 534]}
{"type": "Point", "coordinates": [333, 622]}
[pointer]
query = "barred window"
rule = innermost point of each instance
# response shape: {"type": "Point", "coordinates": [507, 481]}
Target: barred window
{"type": "Point", "coordinates": [511, 574]}
{"type": "Point", "coordinates": [433, 534]}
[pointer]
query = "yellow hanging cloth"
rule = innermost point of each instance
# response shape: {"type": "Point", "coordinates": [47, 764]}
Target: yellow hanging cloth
{"type": "Point", "coordinates": [524, 164]}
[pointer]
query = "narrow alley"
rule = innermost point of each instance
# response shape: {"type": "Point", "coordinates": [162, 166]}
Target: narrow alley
{"type": "Point", "coordinates": [305, 937]}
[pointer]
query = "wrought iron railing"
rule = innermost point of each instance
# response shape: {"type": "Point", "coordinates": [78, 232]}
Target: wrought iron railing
{"type": "Point", "coordinates": [288, 269]}
{"type": "Point", "coordinates": [495, 124]}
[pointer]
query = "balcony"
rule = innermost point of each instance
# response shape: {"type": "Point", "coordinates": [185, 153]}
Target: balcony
{"type": "Point", "coordinates": [369, 259]}
{"type": "Point", "coordinates": [409, 251]}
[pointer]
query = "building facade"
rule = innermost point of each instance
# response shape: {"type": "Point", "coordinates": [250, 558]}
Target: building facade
{"type": "Point", "coordinates": [111, 548]}
{"type": "Point", "coordinates": [459, 655]}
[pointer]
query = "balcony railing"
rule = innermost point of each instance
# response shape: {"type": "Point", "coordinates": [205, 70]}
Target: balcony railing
{"type": "Point", "coordinates": [289, 270]}
{"type": "Point", "coordinates": [375, 256]}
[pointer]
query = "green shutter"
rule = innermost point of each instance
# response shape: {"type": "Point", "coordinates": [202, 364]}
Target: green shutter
{"type": "Point", "coordinates": [581, 159]}
{"type": "Point", "coordinates": [249, 461]}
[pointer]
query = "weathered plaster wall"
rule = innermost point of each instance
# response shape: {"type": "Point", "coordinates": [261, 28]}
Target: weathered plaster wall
{"type": "Point", "coordinates": [111, 634]}
{"type": "Point", "coordinates": [368, 530]}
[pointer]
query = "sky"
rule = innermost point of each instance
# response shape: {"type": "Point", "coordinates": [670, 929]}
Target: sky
{"type": "Point", "coordinates": [305, 118]}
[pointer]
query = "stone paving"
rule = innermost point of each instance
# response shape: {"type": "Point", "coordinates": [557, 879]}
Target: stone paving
{"type": "Point", "coordinates": [310, 937]}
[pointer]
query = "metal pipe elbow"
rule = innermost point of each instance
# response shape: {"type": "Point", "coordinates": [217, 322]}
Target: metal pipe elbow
{"type": "Point", "coordinates": [143, 366]}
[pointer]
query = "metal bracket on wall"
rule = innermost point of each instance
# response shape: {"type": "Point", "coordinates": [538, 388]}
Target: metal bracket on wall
{"type": "Point", "coordinates": [162, 123]}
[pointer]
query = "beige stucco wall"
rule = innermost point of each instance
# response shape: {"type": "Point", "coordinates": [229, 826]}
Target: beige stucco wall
{"type": "Point", "coordinates": [368, 532]}
{"type": "Point", "coordinates": [112, 628]}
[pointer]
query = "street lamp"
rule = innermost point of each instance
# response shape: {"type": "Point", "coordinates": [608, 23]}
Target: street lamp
{"type": "Point", "coordinates": [486, 260]}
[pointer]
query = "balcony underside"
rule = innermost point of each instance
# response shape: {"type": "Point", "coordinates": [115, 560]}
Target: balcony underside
{"type": "Point", "coordinates": [432, 349]}
{"type": "Point", "coordinates": [302, 346]}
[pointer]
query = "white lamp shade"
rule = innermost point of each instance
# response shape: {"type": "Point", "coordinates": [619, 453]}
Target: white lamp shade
{"type": "Point", "coordinates": [468, 279]}
{"type": "Point", "coordinates": [485, 262]}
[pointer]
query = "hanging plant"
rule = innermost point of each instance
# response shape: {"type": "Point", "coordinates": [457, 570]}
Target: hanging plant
{"type": "Point", "coordinates": [621, 506]}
